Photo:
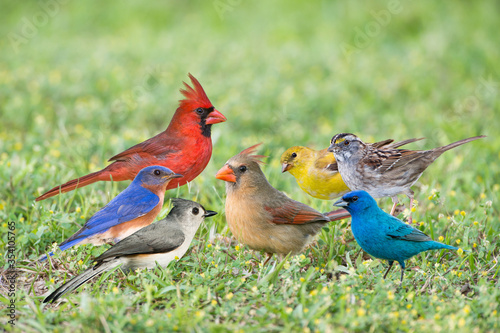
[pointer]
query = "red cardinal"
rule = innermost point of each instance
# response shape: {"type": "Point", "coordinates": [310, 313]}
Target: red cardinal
{"type": "Point", "coordinates": [184, 147]}
{"type": "Point", "coordinates": [262, 217]}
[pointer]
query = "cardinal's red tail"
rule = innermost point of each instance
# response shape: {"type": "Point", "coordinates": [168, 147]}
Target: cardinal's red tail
{"type": "Point", "coordinates": [338, 214]}
{"type": "Point", "coordinates": [75, 183]}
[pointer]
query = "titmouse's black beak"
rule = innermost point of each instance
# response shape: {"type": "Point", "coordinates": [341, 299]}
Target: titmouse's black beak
{"type": "Point", "coordinates": [209, 213]}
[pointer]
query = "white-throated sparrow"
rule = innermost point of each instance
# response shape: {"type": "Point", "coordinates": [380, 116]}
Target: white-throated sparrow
{"type": "Point", "coordinates": [383, 172]}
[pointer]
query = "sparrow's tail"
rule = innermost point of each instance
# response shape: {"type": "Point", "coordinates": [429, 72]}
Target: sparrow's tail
{"type": "Point", "coordinates": [456, 144]}
{"type": "Point", "coordinates": [338, 214]}
{"type": "Point", "coordinates": [77, 281]}
{"type": "Point", "coordinates": [76, 183]}
{"type": "Point", "coordinates": [63, 246]}
{"type": "Point", "coordinates": [404, 142]}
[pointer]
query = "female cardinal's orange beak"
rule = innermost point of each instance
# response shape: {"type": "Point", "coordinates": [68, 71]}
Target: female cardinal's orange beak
{"type": "Point", "coordinates": [226, 174]}
{"type": "Point", "coordinates": [215, 117]}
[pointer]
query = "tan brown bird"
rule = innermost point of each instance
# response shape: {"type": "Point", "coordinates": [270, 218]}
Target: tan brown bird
{"type": "Point", "coordinates": [262, 217]}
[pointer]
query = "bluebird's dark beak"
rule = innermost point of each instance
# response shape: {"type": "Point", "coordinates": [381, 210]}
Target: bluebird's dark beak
{"type": "Point", "coordinates": [173, 175]}
{"type": "Point", "coordinates": [341, 203]}
{"type": "Point", "coordinates": [209, 213]}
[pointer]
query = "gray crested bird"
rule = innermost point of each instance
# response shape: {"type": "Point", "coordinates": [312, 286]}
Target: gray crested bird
{"type": "Point", "coordinates": [160, 242]}
{"type": "Point", "coordinates": [383, 172]}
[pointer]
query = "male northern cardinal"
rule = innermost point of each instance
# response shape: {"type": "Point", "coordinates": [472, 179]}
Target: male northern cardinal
{"type": "Point", "coordinates": [185, 146]}
{"type": "Point", "coordinates": [262, 217]}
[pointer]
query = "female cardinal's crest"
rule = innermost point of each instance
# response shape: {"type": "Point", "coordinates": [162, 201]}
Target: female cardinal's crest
{"type": "Point", "coordinates": [195, 97]}
{"type": "Point", "coordinates": [250, 150]}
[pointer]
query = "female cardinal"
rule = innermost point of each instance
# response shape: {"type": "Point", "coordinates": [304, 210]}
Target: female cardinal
{"type": "Point", "coordinates": [185, 146]}
{"type": "Point", "coordinates": [262, 217]}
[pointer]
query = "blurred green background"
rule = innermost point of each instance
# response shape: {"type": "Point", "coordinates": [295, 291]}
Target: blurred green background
{"type": "Point", "coordinates": [82, 81]}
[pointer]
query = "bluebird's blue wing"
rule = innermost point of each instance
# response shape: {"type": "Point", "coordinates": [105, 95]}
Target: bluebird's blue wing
{"type": "Point", "coordinates": [135, 201]}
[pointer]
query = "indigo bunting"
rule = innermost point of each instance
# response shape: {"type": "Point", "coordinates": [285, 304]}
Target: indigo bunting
{"type": "Point", "coordinates": [383, 235]}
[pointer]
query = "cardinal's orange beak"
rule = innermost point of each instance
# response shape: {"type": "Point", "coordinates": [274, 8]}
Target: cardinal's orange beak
{"type": "Point", "coordinates": [285, 167]}
{"type": "Point", "coordinates": [215, 117]}
{"type": "Point", "coordinates": [226, 174]}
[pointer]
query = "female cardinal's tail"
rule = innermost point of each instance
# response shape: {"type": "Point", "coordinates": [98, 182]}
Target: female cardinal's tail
{"type": "Point", "coordinates": [75, 183]}
{"type": "Point", "coordinates": [338, 214]}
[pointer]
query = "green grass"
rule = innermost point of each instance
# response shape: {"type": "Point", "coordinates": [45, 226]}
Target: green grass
{"type": "Point", "coordinates": [99, 77]}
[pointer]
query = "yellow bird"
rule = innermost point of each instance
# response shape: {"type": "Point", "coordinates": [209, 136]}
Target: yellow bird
{"type": "Point", "coordinates": [316, 171]}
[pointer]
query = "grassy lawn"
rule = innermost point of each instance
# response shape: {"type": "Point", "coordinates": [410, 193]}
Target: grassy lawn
{"type": "Point", "coordinates": [82, 81]}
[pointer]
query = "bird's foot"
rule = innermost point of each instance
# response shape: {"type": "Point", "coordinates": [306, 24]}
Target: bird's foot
{"type": "Point", "coordinates": [269, 256]}
{"type": "Point", "coordinates": [398, 209]}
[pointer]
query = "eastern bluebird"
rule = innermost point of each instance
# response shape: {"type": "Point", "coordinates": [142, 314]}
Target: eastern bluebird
{"type": "Point", "coordinates": [134, 208]}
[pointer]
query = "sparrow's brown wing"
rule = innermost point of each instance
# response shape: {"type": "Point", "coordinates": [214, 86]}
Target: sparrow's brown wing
{"type": "Point", "coordinates": [384, 161]}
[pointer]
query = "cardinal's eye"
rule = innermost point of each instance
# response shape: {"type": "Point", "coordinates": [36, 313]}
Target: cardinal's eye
{"type": "Point", "coordinates": [196, 211]}
{"type": "Point", "coordinates": [199, 111]}
{"type": "Point", "coordinates": [355, 198]}
{"type": "Point", "coordinates": [346, 143]}
{"type": "Point", "coordinates": [243, 168]}
{"type": "Point", "coordinates": [294, 155]}
{"type": "Point", "coordinates": [157, 172]}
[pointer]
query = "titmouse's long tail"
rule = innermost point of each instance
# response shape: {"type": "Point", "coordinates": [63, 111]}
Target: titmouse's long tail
{"type": "Point", "coordinates": [77, 281]}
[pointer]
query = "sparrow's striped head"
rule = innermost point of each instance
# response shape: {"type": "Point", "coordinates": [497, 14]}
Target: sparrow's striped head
{"type": "Point", "coordinates": [344, 145]}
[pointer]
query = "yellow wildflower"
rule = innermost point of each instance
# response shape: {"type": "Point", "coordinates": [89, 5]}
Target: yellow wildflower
{"type": "Point", "coordinates": [360, 312]}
